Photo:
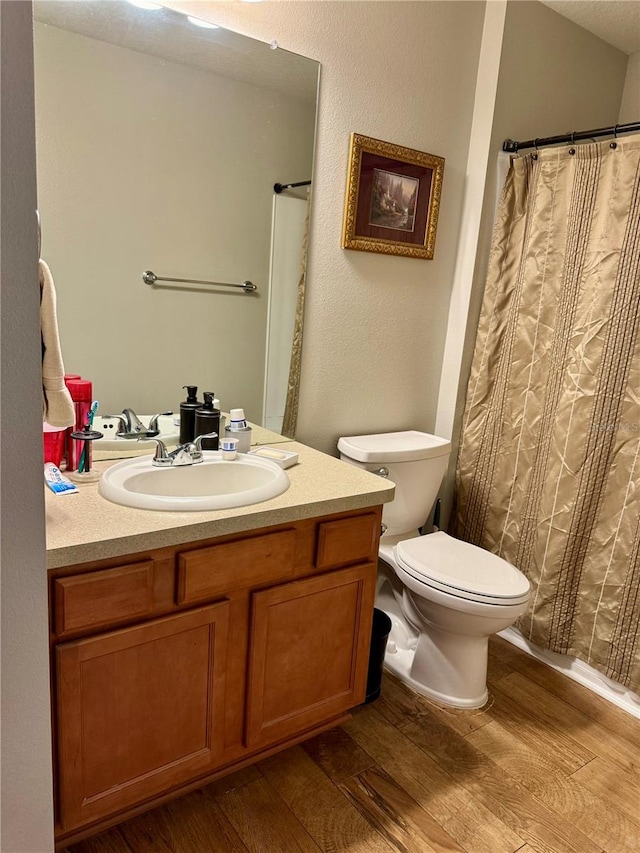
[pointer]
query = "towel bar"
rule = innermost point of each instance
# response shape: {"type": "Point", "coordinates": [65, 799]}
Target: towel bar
{"type": "Point", "coordinates": [150, 278]}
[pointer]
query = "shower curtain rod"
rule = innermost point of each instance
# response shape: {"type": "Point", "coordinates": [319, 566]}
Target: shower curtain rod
{"type": "Point", "coordinates": [513, 146]}
{"type": "Point", "coordinates": [277, 188]}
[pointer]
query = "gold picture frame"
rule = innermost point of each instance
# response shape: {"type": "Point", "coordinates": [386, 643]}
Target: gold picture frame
{"type": "Point", "coordinates": [392, 199]}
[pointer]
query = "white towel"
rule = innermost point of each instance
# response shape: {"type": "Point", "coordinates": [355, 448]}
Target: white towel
{"type": "Point", "coordinates": [58, 408]}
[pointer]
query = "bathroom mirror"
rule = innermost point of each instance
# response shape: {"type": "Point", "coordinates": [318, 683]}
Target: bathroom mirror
{"type": "Point", "coordinates": [159, 142]}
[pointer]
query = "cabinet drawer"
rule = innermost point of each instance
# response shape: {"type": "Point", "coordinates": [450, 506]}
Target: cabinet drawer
{"type": "Point", "coordinates": [104, 597]}
{"type": "Point", "coordinates": [207, 572]}
{"type": "Point", "coordinates": [347, 540]}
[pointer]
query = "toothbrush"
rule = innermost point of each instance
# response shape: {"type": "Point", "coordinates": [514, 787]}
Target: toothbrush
{"type": "Point", "coordinates": [92, 412]}
{"type": "Point", "coordinates": [83, 464]}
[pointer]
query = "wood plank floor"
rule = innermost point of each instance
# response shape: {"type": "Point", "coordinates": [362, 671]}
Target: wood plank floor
{"type": "Point", "coordinates": [547, 766]}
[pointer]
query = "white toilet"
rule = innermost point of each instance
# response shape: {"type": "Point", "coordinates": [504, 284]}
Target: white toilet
{"type": "Point", "coordinates": [444, 597]}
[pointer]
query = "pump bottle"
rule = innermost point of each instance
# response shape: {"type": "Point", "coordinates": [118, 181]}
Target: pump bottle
{"type": "Point", "coordinates": [188, 414]}
{"type": "Point", "coordinates": [208, 420]}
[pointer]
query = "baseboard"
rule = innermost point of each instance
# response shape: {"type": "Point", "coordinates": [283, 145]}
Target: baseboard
{"type": "Point", "coordinates": [579, 671]}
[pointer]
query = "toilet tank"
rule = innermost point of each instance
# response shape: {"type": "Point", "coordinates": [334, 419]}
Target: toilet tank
{"type": "Point", "coordinates": [416, 462]}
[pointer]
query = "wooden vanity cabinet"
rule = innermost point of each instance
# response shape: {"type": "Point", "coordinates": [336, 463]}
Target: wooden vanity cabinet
{"type": "Point", "coordinates": [173, 667]}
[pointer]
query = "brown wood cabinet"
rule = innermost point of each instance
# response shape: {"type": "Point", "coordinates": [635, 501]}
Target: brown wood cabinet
{"type": "Point", "coordinates": [175, 666]}
{"type": "Point", "coordinates": [139, 710]}
{"type": "Point", "coordinates": [311, 638]}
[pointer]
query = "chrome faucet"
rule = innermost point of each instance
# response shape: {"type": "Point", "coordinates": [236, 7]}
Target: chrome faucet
{"type": "Point", "coordinates": [131, 427]}
{"type": "Point", "coordinates": [133, 422]}
{"type": "Point", "coordinates": [186, 454]}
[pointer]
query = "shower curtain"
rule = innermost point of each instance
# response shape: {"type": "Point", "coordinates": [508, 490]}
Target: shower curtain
{"type": "Point", "coordinates": [290, 419]}
{"type": "Point", "coordinates": [548, 472]}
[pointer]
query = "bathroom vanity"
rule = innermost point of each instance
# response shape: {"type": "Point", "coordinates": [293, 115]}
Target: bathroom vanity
{"type": "Point", "coordinates": [187, 645]}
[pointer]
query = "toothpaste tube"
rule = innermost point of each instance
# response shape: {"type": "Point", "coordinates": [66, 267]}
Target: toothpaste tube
{"type": "Point", "coordinates": [57, 482]}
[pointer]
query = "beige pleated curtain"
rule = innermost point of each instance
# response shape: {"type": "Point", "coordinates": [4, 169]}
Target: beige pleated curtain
{"type": "Point", "coordinates": [290, 419]}
{"type": "Point", "coordinates": [549, 466]}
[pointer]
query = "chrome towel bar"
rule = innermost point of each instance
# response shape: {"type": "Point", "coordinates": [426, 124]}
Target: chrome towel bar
{"type": "Point", "coordinates": [151, 278]}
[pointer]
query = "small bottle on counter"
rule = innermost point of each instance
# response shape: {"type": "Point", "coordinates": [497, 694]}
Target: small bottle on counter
{"type": "Point", "coordinates": [208, 420]}
{"type": "Point", "coordinates": [188, 410]}
{"type": "Point", "coordinates": [239, 428]}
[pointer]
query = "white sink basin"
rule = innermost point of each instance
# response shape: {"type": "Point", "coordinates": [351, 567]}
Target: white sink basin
{"type": "Point", "coordinates": [169, 433]}
{"type": "Point", "coordinates": [215, 483]}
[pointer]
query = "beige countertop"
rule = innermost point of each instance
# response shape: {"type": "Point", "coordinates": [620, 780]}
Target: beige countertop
{"type": "Point", "coordinates": [84, 526]}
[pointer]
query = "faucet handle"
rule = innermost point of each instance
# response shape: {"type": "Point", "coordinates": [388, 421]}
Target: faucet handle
{"type": "Point", "coordinates": [199, 439]}
{"type": "Point", "coordinates": [153, 423]}
{"type": "Point", "coordinates": [191, 452]}
{"type": "Point", "coordinates": [161, 456]}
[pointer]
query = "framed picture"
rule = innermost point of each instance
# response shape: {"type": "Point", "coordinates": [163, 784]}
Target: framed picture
{"type": "Point", "coordinates": [393, 198]}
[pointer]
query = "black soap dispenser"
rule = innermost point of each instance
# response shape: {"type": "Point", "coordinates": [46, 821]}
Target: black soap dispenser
{"type": "Point", "coordinates": [208, 420]}
{"type": "Point", "coordinates": [188, 414]}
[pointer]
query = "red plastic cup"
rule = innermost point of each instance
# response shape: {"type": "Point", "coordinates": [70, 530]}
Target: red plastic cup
{"type": "Point", "coordinates": [81, 394]}
{"type": "Point", "coordinates": [54, 440]}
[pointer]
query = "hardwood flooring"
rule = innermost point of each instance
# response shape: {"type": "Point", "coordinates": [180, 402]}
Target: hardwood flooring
{"type": "Point", "coordinates": [546, 767]}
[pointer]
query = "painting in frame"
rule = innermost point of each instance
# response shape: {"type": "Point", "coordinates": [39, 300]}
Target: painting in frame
{"type": "Point", "coordinates": [392, 199]}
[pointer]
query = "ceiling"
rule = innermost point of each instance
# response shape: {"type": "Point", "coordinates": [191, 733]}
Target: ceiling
{"type": "Point", "coordinates": [614, 21]}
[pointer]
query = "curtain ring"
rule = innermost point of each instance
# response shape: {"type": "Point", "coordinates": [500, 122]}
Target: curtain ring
{"type": "Point", "coordinates": [615, 136]}
{"type": "Point", "coordinates": [534, 156]}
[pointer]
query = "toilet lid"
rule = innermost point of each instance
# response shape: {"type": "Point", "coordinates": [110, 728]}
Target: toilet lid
{"type": "Point", "coordinates": [406, 446]}
{"type": "Point", "coordinates": [462, 569]}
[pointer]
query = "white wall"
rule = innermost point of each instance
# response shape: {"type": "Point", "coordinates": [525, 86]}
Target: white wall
{"type": "Point", "coordinates": [630, 106]}
{"type": "Point", "coordinates": [27, 804]}
{"type": "Point", "coordinates": [150, 164]}
{"type": "Point", "coordinates": [403, 72]}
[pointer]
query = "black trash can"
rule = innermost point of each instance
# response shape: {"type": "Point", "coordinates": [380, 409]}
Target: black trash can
{"type": "Point", "coordinates": [379, 636]}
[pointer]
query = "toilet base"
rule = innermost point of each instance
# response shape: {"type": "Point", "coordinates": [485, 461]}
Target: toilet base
{"type": "Point", "coordinates": [450, 669]}
{"type": "Point", "coordinates": [399, 660]}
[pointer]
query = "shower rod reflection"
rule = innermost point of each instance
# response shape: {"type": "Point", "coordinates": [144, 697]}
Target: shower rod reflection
{"type": "Point", "coordinates": [150, 277]}
{"type": "Point", "coordinates": [278, 188]}
{"type": "Point", "coordinates": [577, 136]}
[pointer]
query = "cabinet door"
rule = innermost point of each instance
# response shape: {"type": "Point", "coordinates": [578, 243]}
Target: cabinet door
{"type": "Point", "coordinates": [138, 711]}
{"type": "Point", "coordinates": [309, 651]}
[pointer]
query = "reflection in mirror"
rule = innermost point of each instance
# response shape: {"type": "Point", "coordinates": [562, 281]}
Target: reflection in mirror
{"type": "Point", "coordinates": [159, 143]}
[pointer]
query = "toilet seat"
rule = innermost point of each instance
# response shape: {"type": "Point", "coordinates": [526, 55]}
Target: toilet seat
{"type": "Point", "coordinates": [458, 568]}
